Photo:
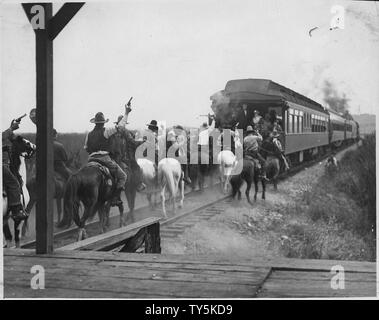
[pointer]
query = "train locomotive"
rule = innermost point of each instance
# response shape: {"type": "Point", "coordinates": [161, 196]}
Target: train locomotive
{"type": "Point", "coordinates": [309, 128]}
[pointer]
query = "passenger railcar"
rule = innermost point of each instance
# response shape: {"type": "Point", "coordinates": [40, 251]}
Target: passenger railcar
{"type": "Point", "coordinates": [308, 127]}
{"type": "Point", "coordinates": [337, 128]}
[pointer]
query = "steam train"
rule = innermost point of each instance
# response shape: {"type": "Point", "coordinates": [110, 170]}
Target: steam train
{"type": "Point", "coordinates": [309, 128]}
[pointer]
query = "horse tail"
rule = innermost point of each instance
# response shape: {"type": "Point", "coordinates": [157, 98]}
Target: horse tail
{"type": "Point", "coordinates": [71, 201]}
{"type": "Point", "coordinates": [169, 177]}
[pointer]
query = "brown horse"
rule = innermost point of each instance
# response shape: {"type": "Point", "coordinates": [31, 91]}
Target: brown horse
{"type": "Point", "coordinates": [122, 149]}
{"type": "Point", "coordinates": [274, 166]}
{"type": "Point", "coordinates": [93, 186]}
{"type": "Point", "coordinates": [249, 174]}
{"type": "Point", "coordinates": [59, 186]}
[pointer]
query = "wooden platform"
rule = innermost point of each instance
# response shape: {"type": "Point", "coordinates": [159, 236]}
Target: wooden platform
{"type": "Point", "coordinates": [88, 274]}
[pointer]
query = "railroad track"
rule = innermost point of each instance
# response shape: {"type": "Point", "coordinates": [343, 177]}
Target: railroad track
{"type": "Point", "coordinates": [197, 207]}
{"type": "Point", "coordinates": [172, 229]}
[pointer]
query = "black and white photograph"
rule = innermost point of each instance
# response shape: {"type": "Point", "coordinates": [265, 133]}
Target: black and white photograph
{"type": "Point", "coordinates": [162, 150]}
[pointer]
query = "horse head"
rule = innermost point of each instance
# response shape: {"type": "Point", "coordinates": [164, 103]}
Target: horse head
{"type": "Point", "coordinates": [22, 147]}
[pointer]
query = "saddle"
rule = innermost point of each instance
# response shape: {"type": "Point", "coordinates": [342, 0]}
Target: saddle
{"type": "Point", "coordinates": [109, 177]}
{"type": "Point", "coordinates": [256, 161]}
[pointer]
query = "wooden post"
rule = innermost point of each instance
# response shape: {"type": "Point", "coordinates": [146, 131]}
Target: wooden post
{"type": "Point", "coordinates": [44, 114]}
{"type": "Point", "coordinates": [153, 239]}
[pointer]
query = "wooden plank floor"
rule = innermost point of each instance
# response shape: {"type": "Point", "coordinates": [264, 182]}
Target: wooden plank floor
{"type": "Point", "coordinates": [89, 274]}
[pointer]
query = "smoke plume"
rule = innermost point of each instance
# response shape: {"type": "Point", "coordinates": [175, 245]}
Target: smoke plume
{"type": "Point", "coordinates": [336, 101]}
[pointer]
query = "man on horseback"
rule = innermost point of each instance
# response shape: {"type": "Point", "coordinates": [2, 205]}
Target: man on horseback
{"type": "Point", "coordinates": [152, 129]}
{"type": "Point", "coordinates": [257, 121]}
{"type": "Point", "coordinates": [126, 157]}
{"type": "Point", "coordinates": [251, 146]}
{"type": "Point", "coordinates": [97, 145]}
{"type": "Point", "coordinates": [180, 145]}
{"type": "Point", "coordinates": [274, 137]}
{"type": "Point", "coordinates": [10, 182]}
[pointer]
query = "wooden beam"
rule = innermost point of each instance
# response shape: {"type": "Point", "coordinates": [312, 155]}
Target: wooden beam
{"type": "Point", "coordinates": [44, 115]}
{"type": "Point", "coordinates": [112, 239]}
{"type": "Point", "coordinates": [27, 8]}
{"type": "Point", "coordinates": [62, 17]}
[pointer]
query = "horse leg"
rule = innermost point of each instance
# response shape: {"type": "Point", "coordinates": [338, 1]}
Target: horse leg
{"type": "Point", "coordinates": [256, 189]}
{"type": "Point", "coordinates": [28, 209]}
{"type": "Point", "coordinates": [151, 205]}
{"type": "Point", "coordinates": [263, 190]}
{"type": "Point", "coordinates": [247, 192]}
{"type": "Point", "coordinates": [130, 197]}
{"type": "Point", "coordinates": [7, 233]}
{"type": "Point", "coordinates": [173, 196]}
{"type": "Point", "coordinates": [104, 215]}
{"type": "Point", "coordinates": [17, 233]}
{"type": "Point", "coordinates": [163, 199]}
{"type": "Point", "coordinates": [181, 193]}
{"type": "Point", "coordinates": [122, 218]}
{"type": "Point", "coordinates": [59, 208]}
{"type": "Point", "coordinates": [88, 212]}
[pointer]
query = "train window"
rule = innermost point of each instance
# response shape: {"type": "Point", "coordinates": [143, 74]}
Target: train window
{"type": "Point", "coordinates": [300, 124]}
{"type": "Point", "coordinates": [289, 124]}
{"type": "Point", "coordinates": [296, 124]}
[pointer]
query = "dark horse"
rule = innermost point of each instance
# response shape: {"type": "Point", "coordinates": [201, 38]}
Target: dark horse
{"type": "Point", "coordinates": [93, 186]}
{"type": "Point", "coordinates": [122, 149]}
{"type": "Point", "coordinates": [249, 174]}
{"type": "Point", "coordinates": [20, 150]}
{"type": "Point", "coordinates": [270, 151]}
{"type": "Point", "coordinates": [59, 186]}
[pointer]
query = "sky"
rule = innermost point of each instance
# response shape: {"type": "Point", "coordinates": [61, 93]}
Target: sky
{"type": "Point", "coordinates": [171, 56]}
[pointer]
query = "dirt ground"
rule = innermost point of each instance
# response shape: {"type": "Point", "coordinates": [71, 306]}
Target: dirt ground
{"type": "Point", "coordinates": [276, 227]}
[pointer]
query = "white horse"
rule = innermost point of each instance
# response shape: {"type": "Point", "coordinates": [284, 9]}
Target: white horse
{"type": "Point", "coordinates": [149, 176]}
{"type": "Point", "coordinates": [20, 149]}
{"type": "Point", "coordinates": [227, 161]}
{"type": "Point", "coordinates": [170, 174]}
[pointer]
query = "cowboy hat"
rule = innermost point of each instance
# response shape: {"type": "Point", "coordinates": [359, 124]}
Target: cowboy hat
{"type": "Point", "coordinates": [249, 129]}
{"type": "Point", "coordinates": [204, 125]}
{"type": "Point", "coordinates": [153, 125]}
{"type": "Point", "coordinates": [275, 134]}
{"type": "Point", "coordinates": [99, 118]}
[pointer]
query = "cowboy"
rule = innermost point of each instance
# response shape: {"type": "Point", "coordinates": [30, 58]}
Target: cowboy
{"type": "Point", "coordinates": [171, 138]}
{"type": "Point", "coordinates": [152, 128]}
{"type": "Point", "coordinates": [97, 145]}
{"type": "Point", "coordinates": [274, 136]}
{"type": "Point", "coordinates": [243, 118]}
{"type": "Point", "coordinates": [257, 120]}
{"type": "Point", "coordinates": [251, 145]}
{"type": "Point", "coordinates": [127, 160]}
{"type": "Point", "coordinates": [11, 184]}
{"type": "Point", "coordinates": [220, 140]}
{"type": "Point", "coordinates": [180, 145]}
{"type": "Point", "coordinates": [266, 126]}
{"type": "Point", "coordinates": [60, 158]}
